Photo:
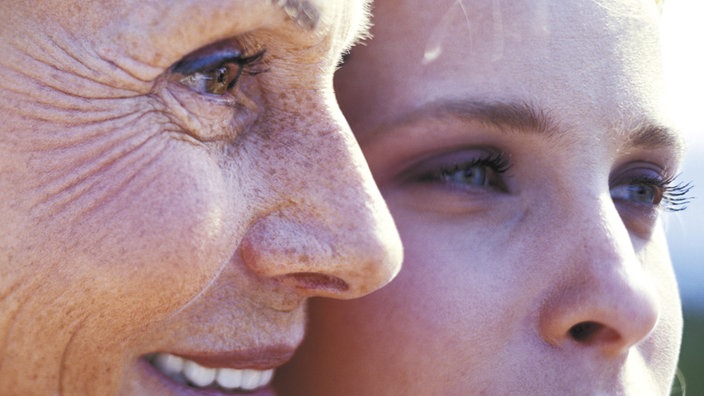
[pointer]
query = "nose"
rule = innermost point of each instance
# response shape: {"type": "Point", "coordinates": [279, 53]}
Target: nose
{"type": "Point", "coordinates": [606, 302]}
{"type": "Point", "coordinates": [328, 231]}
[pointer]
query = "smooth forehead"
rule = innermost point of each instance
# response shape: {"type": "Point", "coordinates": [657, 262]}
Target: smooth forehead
{"type": "Point", "coordinates": [542, 33]}
{"type": "Point", "coordinates": [593, 66]}
{"type": "Point", "coordinates": [595, 55]}
{"type": "Point", "coordinates": [567, 25]}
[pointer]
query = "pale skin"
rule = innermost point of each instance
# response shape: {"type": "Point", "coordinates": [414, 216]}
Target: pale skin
{"type": "Point", "coordinates": [154, 205]}
{"type": "Point", "coordinates": [522, 148]}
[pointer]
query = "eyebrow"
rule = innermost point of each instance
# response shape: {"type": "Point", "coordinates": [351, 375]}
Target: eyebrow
{"type": "Point", "coordinates": [527, 118]}
{"type": "Point", "coordinates": [302, 12]}
{"type": "Point", "coordinates": [519, 116]}
{"type": "Point", "coordinates": [653, 135]}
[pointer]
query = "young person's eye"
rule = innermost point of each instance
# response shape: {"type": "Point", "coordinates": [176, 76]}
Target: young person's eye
{"type": "Point", "coordinates": [650, 190]}
{"type": "Point", "coordinates": [467, 170]}
{"type": "Point", "coordinates": [219, 72]}
{"type": "Point", "coordinates": [641, 190]}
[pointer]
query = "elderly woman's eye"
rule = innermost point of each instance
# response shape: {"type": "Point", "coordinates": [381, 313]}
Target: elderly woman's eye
{"type": "Point", "coordinates": [219, 72]}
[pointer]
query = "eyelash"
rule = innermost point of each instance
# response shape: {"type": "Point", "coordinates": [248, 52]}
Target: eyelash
{"type": "Point", "coordinates": [457, 173]}
{"type": "Point", "coordinates": [497, 162]}
{"type": "Point", "coordinates": [674, 197]}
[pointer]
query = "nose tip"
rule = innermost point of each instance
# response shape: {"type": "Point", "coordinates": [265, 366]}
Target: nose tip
{"type": "Point", "coordinates": [322, 227]}
{"type": "Point", "coordinates": [604, 300]}
{"type": "Point", "coordinates": [607, 317]}
{"type": "Point", "coordinates": [316, 260]}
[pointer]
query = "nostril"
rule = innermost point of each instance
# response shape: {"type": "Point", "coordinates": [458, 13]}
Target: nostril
{"type": "Point", "coordinates": [584, 331]}
{"type": "Point", "coordinates": [321, 284]}
{"type": "Point", "coordinates": [593, 332]}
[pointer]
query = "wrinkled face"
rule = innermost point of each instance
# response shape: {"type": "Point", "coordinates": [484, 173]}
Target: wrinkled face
{"type": "Point", "coordinates": [523, 153]}
{"type": "Point", "coordinates": [176, 179]}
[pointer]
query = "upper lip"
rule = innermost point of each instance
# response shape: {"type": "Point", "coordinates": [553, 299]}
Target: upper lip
{"type": "Point", "coordinates": [258, 359]}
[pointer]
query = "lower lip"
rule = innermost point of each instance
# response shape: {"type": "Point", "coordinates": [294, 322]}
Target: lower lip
{"type": "Point", "coordinates": [158, 384]}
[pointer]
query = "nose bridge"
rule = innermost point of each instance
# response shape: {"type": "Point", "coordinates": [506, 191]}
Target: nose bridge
{"type": "Point", "coordinates": [328, 231]}
{"type": "Point", "coordinates": [604, 236]}
{"type": "Point", "coordinates": [604, 298]}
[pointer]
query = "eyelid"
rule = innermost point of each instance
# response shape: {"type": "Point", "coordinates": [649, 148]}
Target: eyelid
{"type": "Point", "coordinates": [202, 113]}
{"type": "Point", "coordinates": [216, 70]}
{"type": "Point", "coordinates": [462, 155]}
{"type": "Point", "coordinates": [432, 169]}
{"type": "Point", "coordinates": [674, 196]}
{"type": "Point", "coordinates": [638, 170]}
{"type": "Point", "coordinates": [190, 65]}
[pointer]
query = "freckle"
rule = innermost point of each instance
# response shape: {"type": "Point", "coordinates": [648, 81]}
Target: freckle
{"type": "Point", "coordinates": [309, 98]}
{"type": "Point", "coordinates": [304, 258]}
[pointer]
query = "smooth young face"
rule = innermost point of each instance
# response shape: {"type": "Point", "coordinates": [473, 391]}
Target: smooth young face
{"type": "Point", "coordinates": [175, 180]}
{"type": "Point", "coordinates": [522, 150]}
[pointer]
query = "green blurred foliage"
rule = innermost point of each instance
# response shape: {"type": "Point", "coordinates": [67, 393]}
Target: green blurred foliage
{"type": "Point", "coordinates": [692, 355]}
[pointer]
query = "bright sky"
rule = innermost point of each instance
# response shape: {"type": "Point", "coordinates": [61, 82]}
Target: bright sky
{"type": "Point", "coordinates": [683, 36]}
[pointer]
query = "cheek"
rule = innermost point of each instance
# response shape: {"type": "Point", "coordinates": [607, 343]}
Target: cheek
{"type": "Point", "coordinates": [455, 292]}
{"type": "Point", "coordinates": [138, 244]}
{"type": "Point", "coordinates": [101, 251]}
{"type": "Point", "coordinates": [477, 259]}
{"type": "Point", "coordinates": [465, 284]}
{"type": "Point", "coordinates": [661, 348]}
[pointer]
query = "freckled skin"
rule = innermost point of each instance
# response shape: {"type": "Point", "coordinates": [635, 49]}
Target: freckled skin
{"type": "Point", "coordinates": [140, 216]}
{"type": "Point", "coordinates": [500, 284]}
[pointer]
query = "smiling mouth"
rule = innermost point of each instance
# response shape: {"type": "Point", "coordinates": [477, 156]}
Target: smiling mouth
{"type": "Point", "coordinates": [188, 372]}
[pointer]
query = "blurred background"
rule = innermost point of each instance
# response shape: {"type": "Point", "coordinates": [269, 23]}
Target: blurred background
{"type": "Point", "coordinates": [683, 40]}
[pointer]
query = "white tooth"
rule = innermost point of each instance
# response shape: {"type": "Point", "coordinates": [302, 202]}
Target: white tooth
{"type": "Point", "coordinates": [266, 377]}
{"type": "Point", "coordinates": [168, 363]}
{"type": "Point", "coordinates": [229, 378]}
{"type": "Point", "coordinates": [250, 379]}
{"type": "Point", "coordinates": [197, 374]}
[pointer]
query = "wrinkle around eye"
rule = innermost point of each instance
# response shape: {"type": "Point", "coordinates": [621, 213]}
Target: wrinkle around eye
{"type": "Point", "coordinates": [68, 178]}
{"type": "Point", "coordinates": [206, 117]}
